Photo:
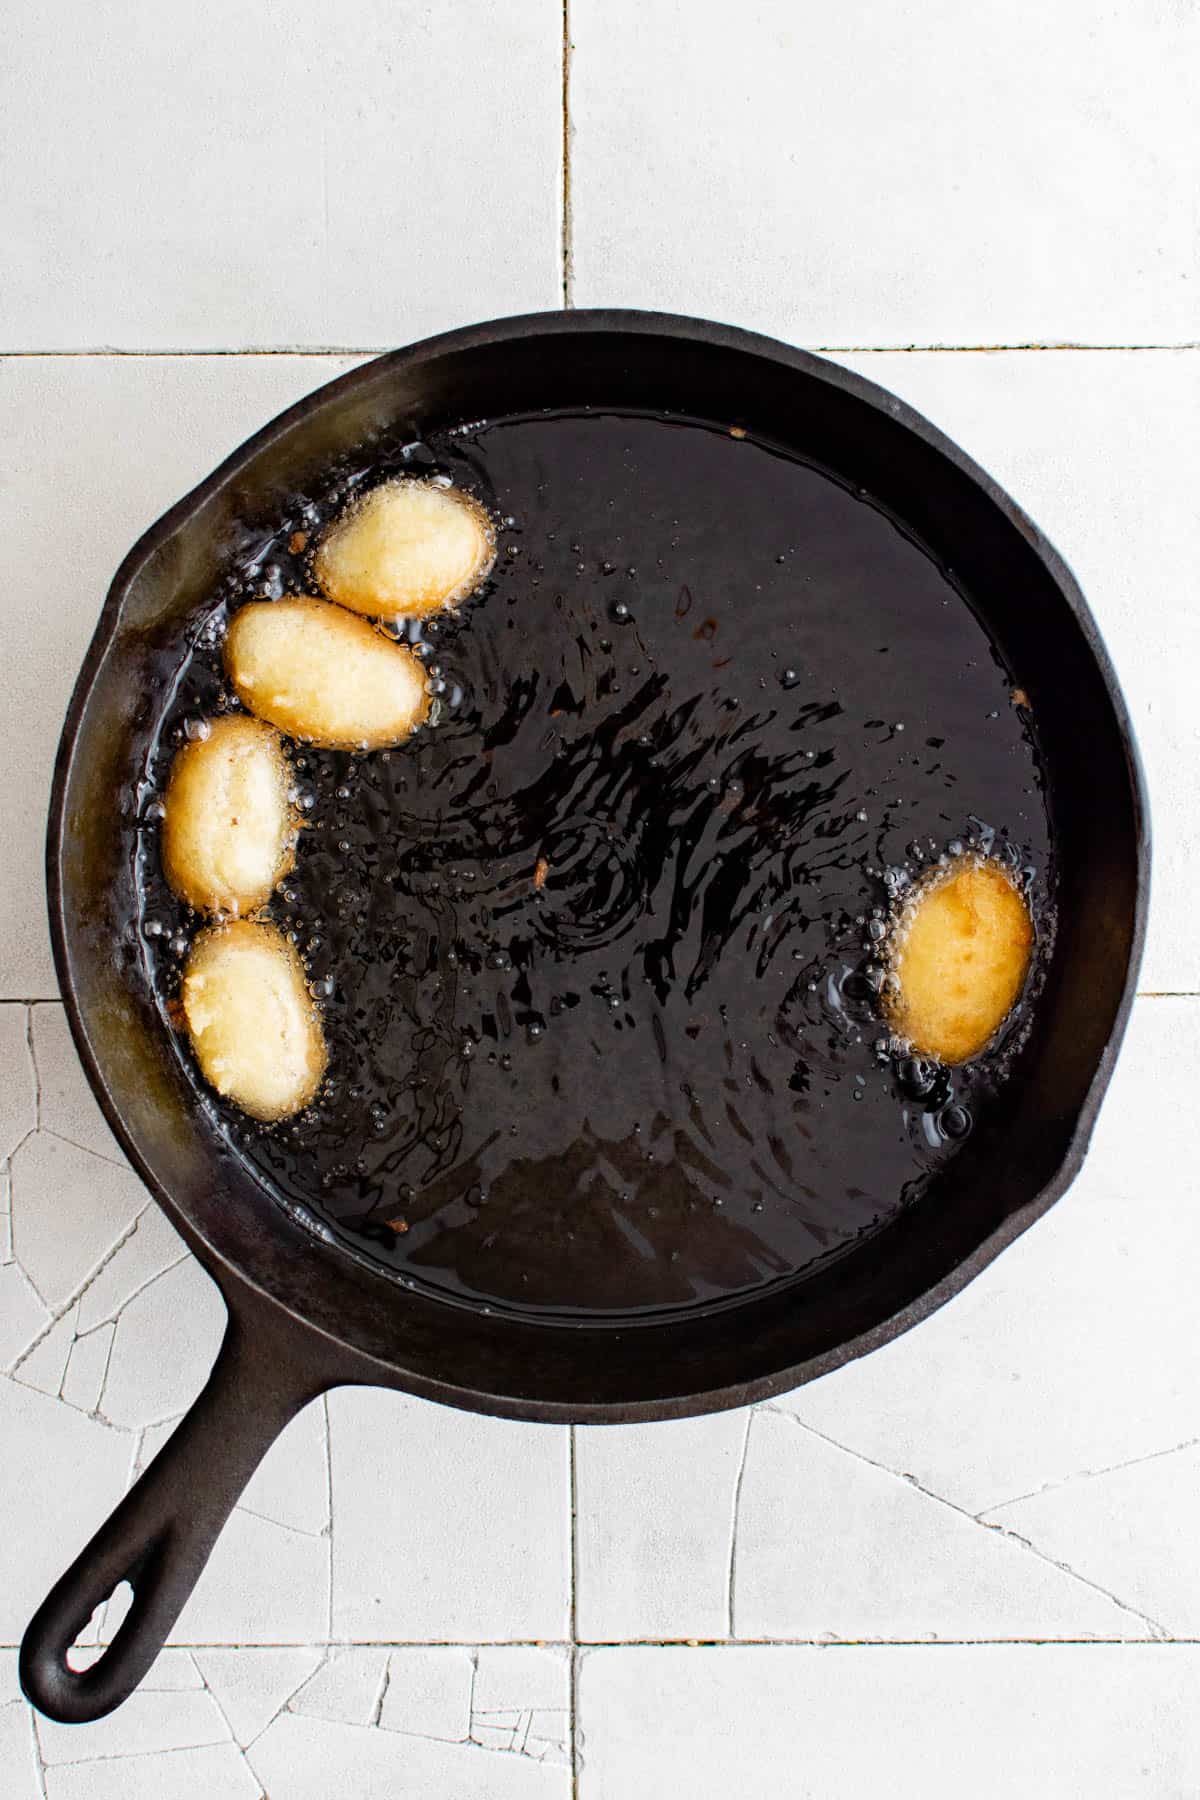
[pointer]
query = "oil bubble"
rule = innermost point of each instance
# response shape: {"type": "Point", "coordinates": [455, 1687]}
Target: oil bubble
{"type": "Point", "coordinates": [955, 1121]}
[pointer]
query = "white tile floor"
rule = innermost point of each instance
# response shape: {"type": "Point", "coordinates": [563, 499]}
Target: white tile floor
{"type": "Point", "coordinates": [967, 1565]}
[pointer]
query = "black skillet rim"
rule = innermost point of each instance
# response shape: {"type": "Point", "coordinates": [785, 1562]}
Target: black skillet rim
{"type": "Point", "coordinates": [228, 1273]}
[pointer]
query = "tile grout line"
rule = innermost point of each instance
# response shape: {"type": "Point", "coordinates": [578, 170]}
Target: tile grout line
{"type": "Point", "coordinates": [670, 1643]}
{"type": "Point", "coordinates": [103, 351]}
{"type": "Point", "coordinates": [1156, 1628]}
{"type": "Point", "coordinates": [323, 1646]}
{"type": "Point", "coordinates": [567, 223]}
{"type": "Point", "coordinates": [1050, 344]}
{"type": "Point", "coordinates": [329, 1501]}
{"type": "Point", "coordinates": [573, 1624]}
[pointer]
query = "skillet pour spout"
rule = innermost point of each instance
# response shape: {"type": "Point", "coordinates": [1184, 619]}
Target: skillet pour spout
{"type": "Point", "coordinates": [306, 1312]}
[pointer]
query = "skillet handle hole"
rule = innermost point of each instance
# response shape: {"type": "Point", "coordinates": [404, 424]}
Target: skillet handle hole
{"type": "Point", "coordinates": [95, 1637]}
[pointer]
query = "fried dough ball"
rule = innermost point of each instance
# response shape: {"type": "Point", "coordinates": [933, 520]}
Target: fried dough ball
{"type": "Point", "coordinates": [324, 676]}
{"type": "Point", "coordinates": [406, 549]}
{"type": "Point", "coordinates": [960, 953]}
{"type": "Point", "coordinates": [228, 834]}
{"type": "Point", "coordinates": [253, 1026]}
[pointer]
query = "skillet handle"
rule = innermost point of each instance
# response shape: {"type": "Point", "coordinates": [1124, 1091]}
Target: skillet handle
{"type": "Point", "coordinates": [161, 1535]}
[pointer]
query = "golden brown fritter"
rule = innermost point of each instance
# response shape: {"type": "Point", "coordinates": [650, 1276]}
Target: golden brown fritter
{"type": "Point", "coordinates": [959, 953]}
{"type": "Point", "coordinates": [324, 676]}
{"type": "Point", "coordinates": [252, 1022]}
{"type": "Point", "coordinates": [406, 549]}
{"type": "Point", "coordinates": [228, 835]}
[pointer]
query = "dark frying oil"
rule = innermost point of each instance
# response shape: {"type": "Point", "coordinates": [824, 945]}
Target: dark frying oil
{"type": "Point", "coordinates": [594, 950]}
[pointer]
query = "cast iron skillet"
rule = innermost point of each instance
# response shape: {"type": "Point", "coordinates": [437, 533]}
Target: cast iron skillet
{"type": "Point", "coordinates": [303, 1316]}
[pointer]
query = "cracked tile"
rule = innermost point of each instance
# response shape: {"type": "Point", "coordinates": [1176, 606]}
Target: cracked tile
{"type": "Point", "coordinates": [60, 1476]}
{"type": "Point", "coordinates": [1077, 1348]}
{"type": "Point", "coordinates": [548, 1736]}
{"type": "Point", "coordinates": [251, 1686]}
{"type": "Point", "coordinates": [150, 1442]}
{"type": "Point", "coordinates": [218, 1772]}
{"type": "Point", "coordinates": [263, 1585]}
{"type": "Point", "coordinates": [308, 1759]}
{"type": "Point", "coordinates": [447, 1525]}
{"type": "Point", "coordinates": [18, 1758]}
{"type": "Point", "coordinates": [167, 1340]}
{"type": "Point", "coordinates": [519, 1676]}
{"type": "Point", "coordinates": [762, 140]}
{"type": "Point", "coordinates": [69, 1209]}
{"type": "Point", "coordinates": [148, 1721]}
{"type": "Point", "coordinates": [1132, 1530]}
{"type": "Point", "coordinates": [170, 1671]}
{"type": "Point", "coordinates": [521, 1701]}
{"type": "Point", "coordinates": [86, 1368]}
{"type": "Point", "coordinates": [153, 1247]}
{"type": "Point", "coordinates": [44, 1366]}
{"type": "Point", "coordinates": [653, 1509]}
{"type": "Point", "coordinates": [68, 1106]}
{"type": "Point", "coordinates": [22, 1315]}
{"type": "Point", "coordinates": [289, 1485]}
{"type": "Point", "coordinates": [346, 1688]}
{"type": "Point", "coordinates": [500, 1734]}
{"type": "Point", "coordinates": [429, 1694]}
{"type": "Point", "coordinates": [18, 1092]}
{"type": "Point", "coordinates": [911, 1722]}
{"type": "Point", "coordinates": [830, 1547]}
